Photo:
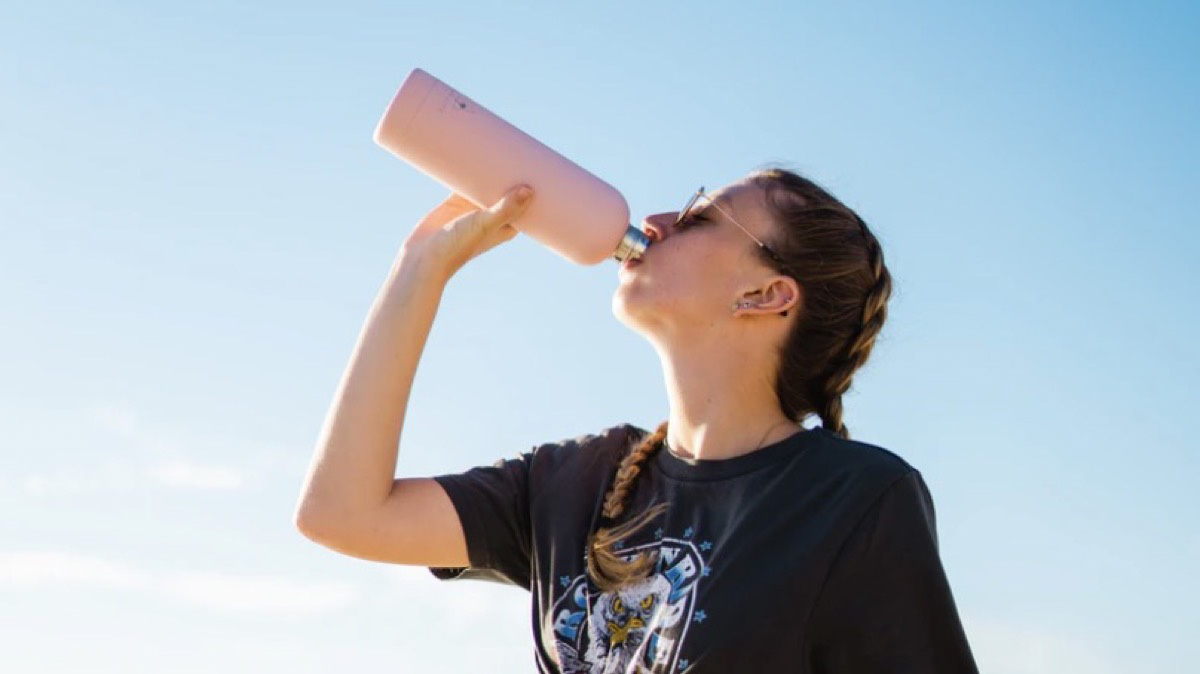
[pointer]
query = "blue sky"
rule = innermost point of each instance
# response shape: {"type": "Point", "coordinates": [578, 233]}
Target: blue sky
{"type": "Point", "coordinates": [194, 222]}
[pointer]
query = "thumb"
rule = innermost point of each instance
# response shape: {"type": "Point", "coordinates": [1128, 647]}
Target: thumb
{"type": "Point", "coordinates": [507, 233]}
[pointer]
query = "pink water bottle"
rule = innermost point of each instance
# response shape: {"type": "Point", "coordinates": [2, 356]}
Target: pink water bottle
{"type": "Point", "coordinates": [472, 151]}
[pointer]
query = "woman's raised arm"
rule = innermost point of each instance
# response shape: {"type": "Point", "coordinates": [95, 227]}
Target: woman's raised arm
{"type": "Point", "coordinates": [351, 500]}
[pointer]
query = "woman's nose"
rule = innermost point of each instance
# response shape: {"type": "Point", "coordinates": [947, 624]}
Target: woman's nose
{"type": "Point", "coordinates": [658, 226]}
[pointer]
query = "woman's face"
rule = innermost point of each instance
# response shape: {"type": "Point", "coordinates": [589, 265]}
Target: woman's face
{"type": "Point", "coordinates": [691, 276]}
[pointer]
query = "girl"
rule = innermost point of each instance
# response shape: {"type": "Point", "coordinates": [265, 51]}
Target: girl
{"type": "Point", "coordinates": [731, 538]}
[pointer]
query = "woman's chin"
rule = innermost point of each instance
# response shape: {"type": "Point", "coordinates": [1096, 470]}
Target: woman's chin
{"type": "Point", "coordinates": [625, 304]}
{"type": "Point", "coordinates": [620, 304]}
{"type": "Point", "coordinates": [633, 308]}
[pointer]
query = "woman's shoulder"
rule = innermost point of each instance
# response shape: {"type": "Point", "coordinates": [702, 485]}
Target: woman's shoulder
{"type": "Point", "coordinates": [596, 449]}
{"type": "Point", "coordinates": [865, 459]}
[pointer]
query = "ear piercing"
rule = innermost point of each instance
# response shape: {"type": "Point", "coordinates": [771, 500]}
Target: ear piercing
{"type": "Point", "coordinates": [747, 305]}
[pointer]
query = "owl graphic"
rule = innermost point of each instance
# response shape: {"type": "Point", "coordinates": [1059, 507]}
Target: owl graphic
{"type": "Point", "coordinates": [621, 623]}
{"type": "Point", "coordinates": [633, 629]}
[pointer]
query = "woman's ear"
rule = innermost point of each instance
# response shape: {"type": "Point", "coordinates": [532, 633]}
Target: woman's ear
{"type": "Point", "coordinates": [778, 295]}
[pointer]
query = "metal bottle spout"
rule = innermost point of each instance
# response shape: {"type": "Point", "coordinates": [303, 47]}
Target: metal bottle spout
{"type": "Point", "coordinates": [633, 245]}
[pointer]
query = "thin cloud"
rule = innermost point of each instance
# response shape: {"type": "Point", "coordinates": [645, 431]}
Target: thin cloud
{"type": "Point", "coordinates": [138, 457]}
{"type": "Point", "coordinates": [31, 569]}
{"type": "Point", "coordinates": [117, 476]}
{"type": "Point", "coordinates": [1008, 648]}
{"type": "Point", "coordinates": [259, 594]}
{"type": "Point", "coordinates": [221, 591]}
{"type": "Point", "coordinates": [190, 475]}
{"type": "Point", "coordinates": [122, 421]}
{"type": "Point", "coordinates": [466, 602]}
{"type": "Point", "coordinates": [116, 417]}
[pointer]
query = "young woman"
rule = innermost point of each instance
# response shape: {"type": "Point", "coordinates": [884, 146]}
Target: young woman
{"type": "Point", "coordinates": [731, 538]}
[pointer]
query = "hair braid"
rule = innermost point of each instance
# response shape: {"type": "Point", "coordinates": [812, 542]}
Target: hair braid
{"type": "Point", "coordinates": [609, 571]}
{"type": "Point", "coordinates": [858, 348]}
{"type": "Point", "coordinates": [838, 262]}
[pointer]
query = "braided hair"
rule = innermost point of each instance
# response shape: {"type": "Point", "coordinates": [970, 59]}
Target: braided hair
{"type": "Point", "coordinates": [608, 571]}
{"type": "Point", "coordinates": [838, 262]}
{"type": "Point", "coordinates": [830, 251]}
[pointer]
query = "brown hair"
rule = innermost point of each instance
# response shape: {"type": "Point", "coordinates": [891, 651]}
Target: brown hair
{"type": "Point", "coordinates": [608, 571]}
{"type": "Point", "coordinates": [838, 262]}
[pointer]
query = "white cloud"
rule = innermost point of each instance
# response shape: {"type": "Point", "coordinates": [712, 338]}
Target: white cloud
{"type": "Point", "coordinates": [116, 475]}
{"type": "Point", "coordinates": [71, 483]}
{"type": "Point", "coordinates": [123, 422]}
{"type": "Point", "coordinates": [194, 476]}
{"type": "Point", "coordinates": [222, 591]}
{"type": "Point", "coordinates": [1006, 648]}
{"type": "Point", "coordinates": [465, 602]}
{"type": "Point", "coordinates": [143, 457]}
{"type": "Point", "coordinates": [35, 484]}
{"type": "Point", "coordinates": [23, 569]}
{"type": "Point", "coordinates": [116, 417]}
{"type": "Point", "coordinates": [259, 594]}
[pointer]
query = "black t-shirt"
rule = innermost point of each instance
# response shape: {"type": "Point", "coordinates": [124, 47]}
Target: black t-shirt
{"type": "Point", "coordinates": [813, 554]}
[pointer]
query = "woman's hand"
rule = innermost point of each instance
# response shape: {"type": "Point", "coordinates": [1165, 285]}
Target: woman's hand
{"type": "Point", "coordinates": [456, 230]}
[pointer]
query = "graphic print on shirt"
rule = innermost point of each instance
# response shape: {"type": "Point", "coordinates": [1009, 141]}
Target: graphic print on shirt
{"type": "Point", "coordinates": [639, 628]}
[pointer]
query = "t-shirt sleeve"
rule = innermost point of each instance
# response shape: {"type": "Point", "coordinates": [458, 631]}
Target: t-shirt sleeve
{"type": "Point", "coordinates": [493, 507]}
{"type": "Point", "coordinates": [886, 604]}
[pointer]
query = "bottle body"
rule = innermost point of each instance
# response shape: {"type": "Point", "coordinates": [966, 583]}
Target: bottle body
{"type": "Point", "coordinates": [477, 154]}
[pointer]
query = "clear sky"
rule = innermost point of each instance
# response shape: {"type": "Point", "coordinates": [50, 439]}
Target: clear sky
{"type": "Point", "coordinates": [194, 221]}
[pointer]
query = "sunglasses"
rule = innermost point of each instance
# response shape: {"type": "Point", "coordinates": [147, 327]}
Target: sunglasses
{"type": "Point", "coordinates": [684, 219]}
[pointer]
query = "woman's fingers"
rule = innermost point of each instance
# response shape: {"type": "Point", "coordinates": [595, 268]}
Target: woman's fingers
{"type": "Point", "coordinates": [498, 218]}
{"type": "Point", "coordinates": [458, 230]}
{"type": "Point", "coordinates": [511, 204]}
{"type": "Point", "coordinates": [504, 206]}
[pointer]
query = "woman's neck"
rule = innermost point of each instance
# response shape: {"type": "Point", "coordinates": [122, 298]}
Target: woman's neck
{"type": "Point", "coordinates": [720, 407]}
